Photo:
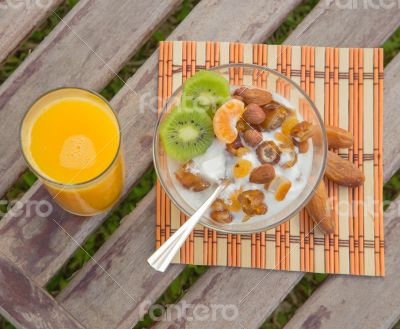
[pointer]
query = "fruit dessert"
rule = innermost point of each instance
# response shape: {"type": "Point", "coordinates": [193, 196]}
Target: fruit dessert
{"type": "Point", "coordinates": [255, 137]}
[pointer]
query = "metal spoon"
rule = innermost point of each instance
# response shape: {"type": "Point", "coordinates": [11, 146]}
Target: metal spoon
{"type": "Point", "coordinates": [164, 255]}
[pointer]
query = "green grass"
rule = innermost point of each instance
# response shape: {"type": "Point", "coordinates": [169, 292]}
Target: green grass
{"type": "Point", "coordinates": [186, 279]}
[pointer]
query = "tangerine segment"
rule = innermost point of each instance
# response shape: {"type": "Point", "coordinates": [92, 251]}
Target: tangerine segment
{"type": "Point", "coordinates": [225, 120]}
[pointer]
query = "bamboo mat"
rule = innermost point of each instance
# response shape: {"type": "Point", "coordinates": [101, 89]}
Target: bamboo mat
{"type": "Point", "coordinates": [347, 88]}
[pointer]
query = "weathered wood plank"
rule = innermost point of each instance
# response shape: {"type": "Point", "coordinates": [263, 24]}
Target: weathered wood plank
{"type": "Point", "coordinates": [391, 119]}
{"type": "Point", "coordinates": [96, 39]}
{"type": "Point", "coordinates": [18, 20]}
{"type": "Point", "coordinates": [344, 302]}
{"type": "Point", "coordinates": [333, 24]}
{"type": "Point", "coordinates": [28, 306]}
{"type": "Point", "coordinates": [38, 244]}
{"type": "Point", "coordinates": [270, 288]}
{"type": "Point", "coordinates": [117, 297]}
{"type": "Point", "coordinates": [227, 288]}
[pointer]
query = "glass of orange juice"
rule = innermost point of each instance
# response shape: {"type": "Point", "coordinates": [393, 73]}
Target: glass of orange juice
{"type": "Point", "coordinates": [71, 139]}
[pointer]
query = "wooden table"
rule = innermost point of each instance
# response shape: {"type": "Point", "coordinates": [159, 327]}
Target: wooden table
{"type": "Point", "coordinates": [114, 289]}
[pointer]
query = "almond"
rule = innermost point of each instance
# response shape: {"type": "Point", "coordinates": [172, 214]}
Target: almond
{"type": "Point", "coordinates": [338, 137]}
{"type": "Point", "coordinates": [263, 174]}
{"type": "Point", "coordinates": [257, 96]}
{"type": "Point", "coordinates": [320, 210]}
{"type": "Point", "coordinates": [252, 137]}
{"type": "Point", "coordinates": [254, 114]}
{"type": "Point", "coordinates": [343, 172]}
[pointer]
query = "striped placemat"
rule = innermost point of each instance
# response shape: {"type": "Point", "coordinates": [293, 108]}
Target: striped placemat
{"type": "Point", "coordinates": [347, 88]}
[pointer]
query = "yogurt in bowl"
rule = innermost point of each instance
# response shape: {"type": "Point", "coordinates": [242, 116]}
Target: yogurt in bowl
{"type": "Point", "coordinates": [272, 154]}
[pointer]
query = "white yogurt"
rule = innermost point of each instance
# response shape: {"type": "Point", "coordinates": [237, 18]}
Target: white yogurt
{"type": "Point", "coordinates": [212, 164]}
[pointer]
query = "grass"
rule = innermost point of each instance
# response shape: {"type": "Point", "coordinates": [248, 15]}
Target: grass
{"type": "Point", "coordinates": [188, 277]}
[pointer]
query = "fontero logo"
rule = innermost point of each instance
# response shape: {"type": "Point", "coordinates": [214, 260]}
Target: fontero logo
{"type": "Point", "coordinates": [24, 4]}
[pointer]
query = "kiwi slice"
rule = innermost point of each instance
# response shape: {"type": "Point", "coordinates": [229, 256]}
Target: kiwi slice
{"type": "Point", "coordinates": [205, 91]}
{"type": "Point", "coordinates": [185, 135]}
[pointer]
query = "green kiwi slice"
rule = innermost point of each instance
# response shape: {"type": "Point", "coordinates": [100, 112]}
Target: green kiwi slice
{"type": "Point", "coordinates": [205, 91]}
{"type": "Point", "coordinates": [185, 134]}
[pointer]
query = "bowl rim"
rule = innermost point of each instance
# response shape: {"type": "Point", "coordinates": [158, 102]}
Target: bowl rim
{"type": "Point", "coordinates": [319, 176]}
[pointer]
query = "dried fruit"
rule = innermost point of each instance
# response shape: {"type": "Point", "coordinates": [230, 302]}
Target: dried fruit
{"type": "Point", "coordinates": [274, 118]}
{"type": "Point", "coordinates": [242, 126]}
{"type": "Point", "coordinates": [288, 124]}
{"type": "Point", "coordinates": [257, 96]}
{"type": "Point", "coordinates": [320, 210]}
{"type": "Point", "coordinates": [302, 131]}
{"type": "Point", "coordinates": [272, 106]}
{"type": "Point", "coordinates": [189, 180]}
{"type": "Point", "coordinates": [288, 158]}
{"type": "Point", "coordinates": [259, 128]}
{"type": "Point", "coordinates": [338, 137]}
{"type": "Point", "coordinates": [254, 114]}
{"type": "Point", "coordinates": [280, 187]}
{"type": "Point", "coordinates": [242, 168]}
{"type": "Point", "coordinates": [235, 205]}
{"type": "Point", "coordinates": [268, 152]}
{"type": "Point", "coordinates": [220, 213]}
{"type": "Point", "coordinates": [225, 120]}
{"type": "Point", "coordinates": [223, 217]}
{"type": "Point", "coordinates": [252, 137]}
{"type": "Point", "coordinates": [242, 151]}
{"type": "Point", "coordinates": [252, 202]}
{"type": "Point", "coordinates": [343, 172]}
{"type": "Point", "coordinates": [262, 174]}
{"type": "Point", "coordinates": [303, 146]}
{"type": "Point", "coordinates": [287, 142]}
{"type": "Point", "coordinates": [236, 148]}
{"type": "Point", "coordinates": [219, 205]}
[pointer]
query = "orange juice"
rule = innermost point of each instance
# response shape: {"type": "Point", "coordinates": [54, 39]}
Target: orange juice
{"type": "Point", "coordinates": [71, 139]}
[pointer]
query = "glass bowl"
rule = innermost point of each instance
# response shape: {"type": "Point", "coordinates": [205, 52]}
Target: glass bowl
{"type": "Point", "coordinates": [262, 77]}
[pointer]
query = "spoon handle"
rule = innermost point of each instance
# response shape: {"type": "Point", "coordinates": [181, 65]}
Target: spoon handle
{"type": "Point", "coordinates": [163, 256]}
